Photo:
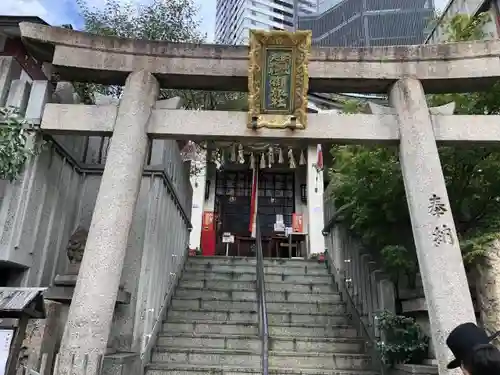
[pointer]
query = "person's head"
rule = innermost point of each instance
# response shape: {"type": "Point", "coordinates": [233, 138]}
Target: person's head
{"type": "Point", "coordinates": [474, 353]}
{"type": "Point", "coordinates": [484, 360]}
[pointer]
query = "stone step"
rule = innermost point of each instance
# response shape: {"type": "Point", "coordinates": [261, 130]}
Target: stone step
{"type": "Point", "coordinates": [192, 341]}
{"type": "Point", "coordinates": [223, 295]}
{"type": "Point", "coordinates": [212, 357]}
{"type": "Point", "coordinates": [245, 261]}
{"type": "Point", "coordinates": [316, 344]}
{"type": "Point", "coordinates": [253, 317]}
{"type": "Point", "coordinates": [251, 306]}
{"type": "Point", "coordinates": [219, 328]}
{"type": "Point", "coordinates": [196, 304]}
{"type": "Point", "coordinates": [218, 284]}
{"type": "Point", "coordinates": [213, 315]}
{"type": "Point", "coordinates": [187, 369]}
{"type": "Point", "coordinates": [270, 286]}
{"type": "Point", "coordinates": [295, 287]}
{"type": "Point", "coordinates": [306, 308]}
{"type": "Point", "coordinates": [276, 343]}
{"type": "Point", "coordinates": [314, 319]}
{"type": "Point", "coordinates": [303, 297]}
{"type": "Point", "coordinates": [302, 330]}
{"type": "Point", "coordinates": [305, 270]}
{"type": "Point", "coordinates": [251, 295]}
{"type": "Point", "coordinates": [252, 359]}
{"type": "Point", "coordinates": [320, 360]}
{"type": "Point", "coordinates": [250, 276]}
{"type": "Point", "coordinates": [234, 328]}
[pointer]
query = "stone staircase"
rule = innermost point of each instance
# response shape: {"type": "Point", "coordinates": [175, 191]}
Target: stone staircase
{"type": "Point", "coordinates": [212, 326]}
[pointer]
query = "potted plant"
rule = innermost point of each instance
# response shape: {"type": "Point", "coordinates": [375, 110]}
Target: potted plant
{"type": "Point", "coordinates": [320, 257]}
{"type": "Point", "coordinates": [194, 252]}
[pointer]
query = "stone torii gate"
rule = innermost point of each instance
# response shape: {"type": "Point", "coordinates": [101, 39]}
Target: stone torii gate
{"type": "Point", "coordinates": [405, 73]}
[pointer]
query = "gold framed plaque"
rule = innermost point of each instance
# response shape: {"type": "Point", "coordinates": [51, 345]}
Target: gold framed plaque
{"type": "Point", "coordinates": [278, 79]}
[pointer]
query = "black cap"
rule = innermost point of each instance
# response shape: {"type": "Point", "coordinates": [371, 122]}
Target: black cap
{"type": "Point", "coordinates": [462, 341]}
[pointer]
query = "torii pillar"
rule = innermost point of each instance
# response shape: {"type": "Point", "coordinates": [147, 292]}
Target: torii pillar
{"type": "Point", "coordinates": [91, 312]}
{"type": "Point", "coordinates": [445, 284]}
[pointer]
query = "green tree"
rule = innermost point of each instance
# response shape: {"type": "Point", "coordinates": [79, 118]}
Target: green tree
{"type": "Point", "coordinates": [172, 20]}
{"type": "Point", "coordinates": [370, 178]}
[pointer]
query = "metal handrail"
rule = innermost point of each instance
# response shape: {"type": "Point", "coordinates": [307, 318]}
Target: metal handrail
{"type": "Point", "coordinates": [353, 312]}
{"type": "Point", "coordinates": [261, 296]}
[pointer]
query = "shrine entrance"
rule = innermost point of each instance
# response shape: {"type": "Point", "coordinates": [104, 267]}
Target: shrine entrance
{"type": "Point", "coordinates": [276, 199]}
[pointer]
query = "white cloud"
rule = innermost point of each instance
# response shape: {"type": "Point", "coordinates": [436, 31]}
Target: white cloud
{"type": "Point", "coordinates": [64, 12]}
{"type": "Point", "coordinates": [24, 8]}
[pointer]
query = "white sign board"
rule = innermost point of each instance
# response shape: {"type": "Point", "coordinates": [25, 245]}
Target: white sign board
{"type": "Point", "coordinates": [227, 238]}
{"type": "Point", "coordinates": [288, 231]}
{"type": "Point", "coordinates": [6, 336]}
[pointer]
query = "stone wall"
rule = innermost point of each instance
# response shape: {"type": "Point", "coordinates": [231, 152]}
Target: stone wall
{"type": "Point", "coordinates": [371, 290]}
{"type": "Point", "coordinates": [57, 193]}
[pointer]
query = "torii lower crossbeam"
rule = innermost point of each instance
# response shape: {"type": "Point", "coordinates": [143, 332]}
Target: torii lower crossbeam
{"type": "Point", "coordinates": [230, 126]}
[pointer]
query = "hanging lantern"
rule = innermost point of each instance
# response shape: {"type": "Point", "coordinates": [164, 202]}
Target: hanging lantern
{"type": "Point", "coordinates": [262, 161]}
{"type": "Point", "coordinates": [218, 159]}
{"type": "Point", "coordinates": [252, 161]}
{"type": "Point", "coordinates": [291, 159]}
{"type": "Point", "coordinates": [222, 157]}
{"type": "Point", "coordinates": [241, 157]}
{"type": "Point", "coordinates": [233, 153]}
{"type": "Point", "coordinates": [271, 156]}
{"type": "Point", "coordinates": [302, 160]}
{"type": "Point", "coordinates": [280, 156]}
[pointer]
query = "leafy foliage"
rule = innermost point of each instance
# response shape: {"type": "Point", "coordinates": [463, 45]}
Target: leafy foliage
{"type": "Point", "coordinates": [397, 260]}
{"type": "Point", "coordinates": [403, 340]}
{"type": "Point", "coordinates": [16, 144]}
{"type": "Point", "coordinates": [370, 178]}
{"type": "Point", "coordinates": [172, 20]}
{"type": "Point", "coordinates": [351, 106]}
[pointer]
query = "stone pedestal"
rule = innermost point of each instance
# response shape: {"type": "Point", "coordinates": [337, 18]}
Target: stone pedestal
{"type": "Point", "coordinates": [90, 316]}
{"type": "Point", "coordinates": [439, 257]}
{"type": "Point", "coordinates": [43, 337]}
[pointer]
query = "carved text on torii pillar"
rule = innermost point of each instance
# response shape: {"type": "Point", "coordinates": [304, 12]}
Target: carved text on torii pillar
{"type": "Point", "coordinates": [442, 234]}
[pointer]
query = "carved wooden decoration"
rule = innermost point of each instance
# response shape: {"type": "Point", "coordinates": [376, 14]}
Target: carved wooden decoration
{"type": "Point", "coordinates": [278, 79]}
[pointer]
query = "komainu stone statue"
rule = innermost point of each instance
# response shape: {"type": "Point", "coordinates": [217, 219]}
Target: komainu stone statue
{"type": "Point", "coordinates": [76, 247]}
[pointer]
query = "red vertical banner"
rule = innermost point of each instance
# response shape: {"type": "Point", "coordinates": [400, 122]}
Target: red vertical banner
{"type": "Point", "coordinates": [253, 202]}
{"type": "Point", "coordinates": [208, 234]}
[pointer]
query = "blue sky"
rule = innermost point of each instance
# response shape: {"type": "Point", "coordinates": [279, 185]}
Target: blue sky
{"type": "Point", "coordinates": [58, 12]}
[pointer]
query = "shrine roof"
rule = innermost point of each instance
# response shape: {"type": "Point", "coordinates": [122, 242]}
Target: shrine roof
{"type": "Point", "coordinates": [450, 67]}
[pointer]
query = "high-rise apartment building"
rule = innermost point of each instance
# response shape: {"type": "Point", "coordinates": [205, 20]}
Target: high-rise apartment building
{"type": "Point", "coordinates": [324, 5]}
{"type": "Point", "coordinates": [234, 18]}
{"type": "Point", "coordinates": [364, 23]}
